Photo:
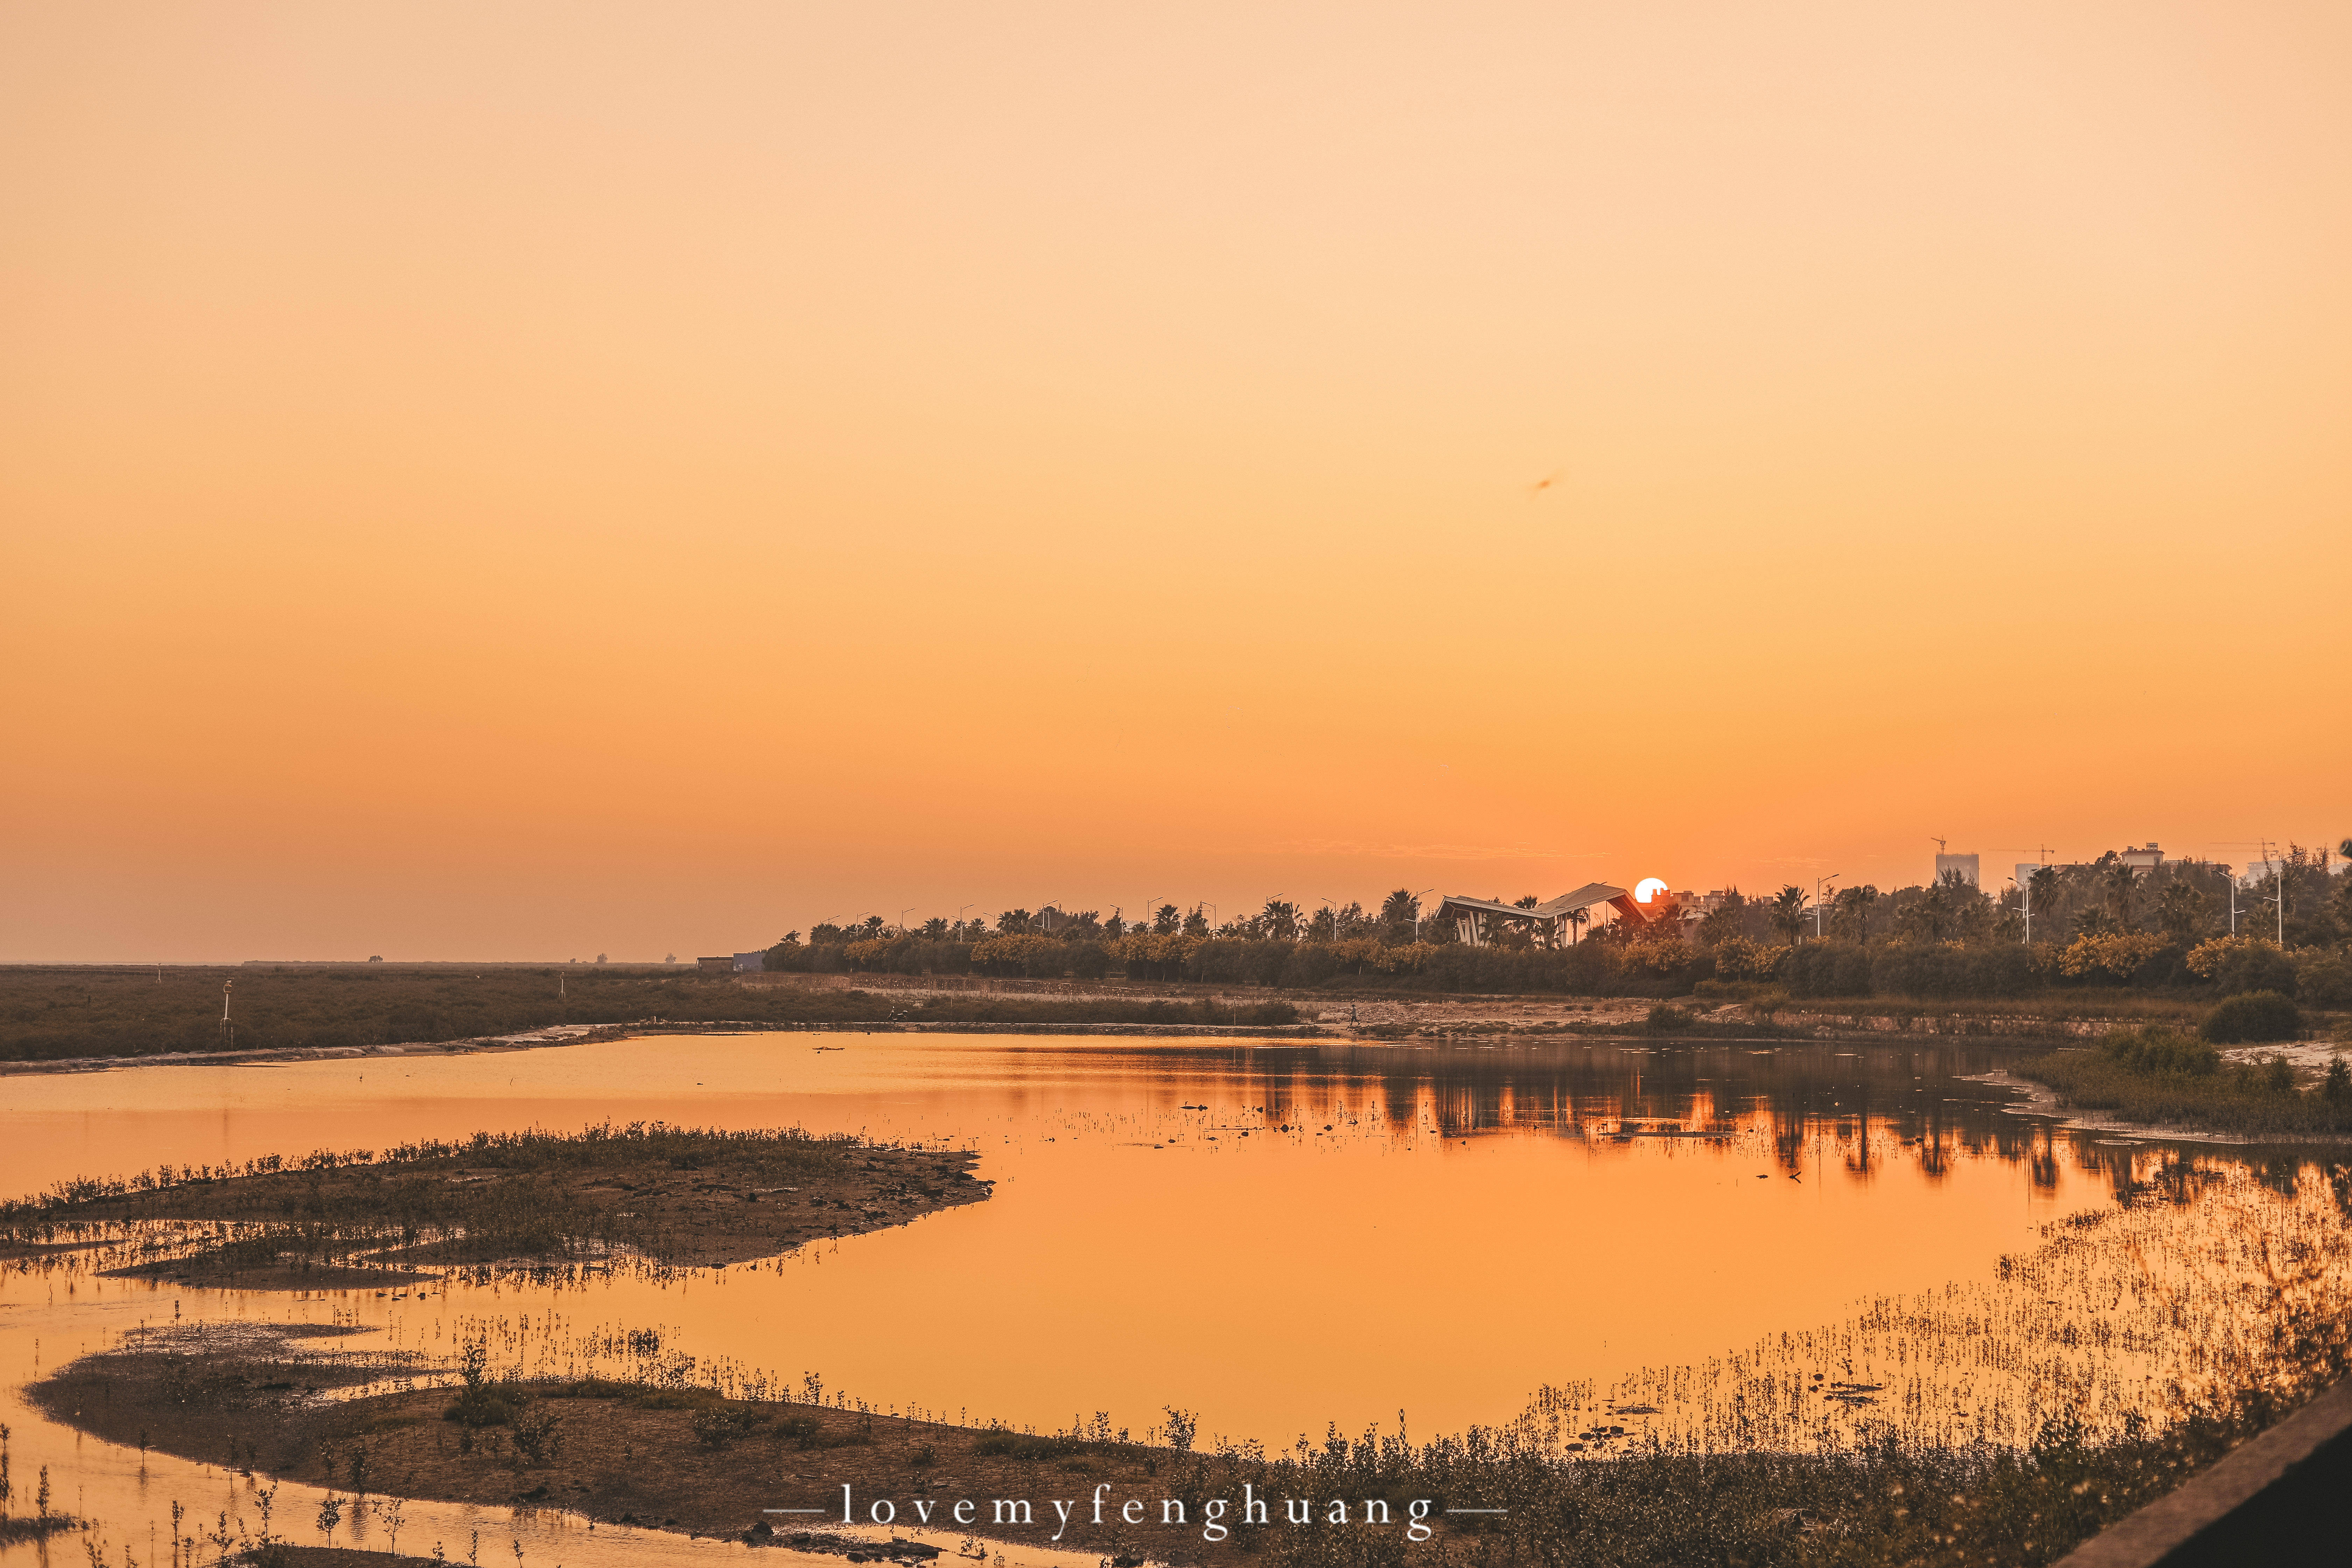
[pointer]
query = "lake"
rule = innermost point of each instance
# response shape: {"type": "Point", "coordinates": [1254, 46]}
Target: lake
{"type": "Point", "coordinates": [1276, 1235]}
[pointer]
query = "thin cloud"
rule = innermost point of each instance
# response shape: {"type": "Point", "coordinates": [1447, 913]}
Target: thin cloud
{"type": "Point", "coordinates": [1435, 852]}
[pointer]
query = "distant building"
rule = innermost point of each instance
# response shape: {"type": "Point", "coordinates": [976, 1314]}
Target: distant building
{"type": "Point", "coordinates": [723, 964]}
{"type": "Point", "coordinates": [1704, 904]}
{"type": "Point", "coordinates": [751, 962]}
{"type": "Point", "coordinates": [1966, 865]}
{"type": "Point", "coordinates": [1472, 918]}
{"type": "Point", "coordinates": [2147, 859]}
{"type": "Point", "coordinates": [1553, 922]}
{"type": "Point", "coordinates": [1600, 904]}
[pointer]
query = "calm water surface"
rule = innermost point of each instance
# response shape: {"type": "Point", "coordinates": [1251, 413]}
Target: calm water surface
{"type": "Point", "coordinates": [1273, 1234]}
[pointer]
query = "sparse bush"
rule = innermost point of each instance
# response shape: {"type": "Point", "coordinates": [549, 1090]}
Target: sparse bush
{"type": "Point", "coordinates": [718, 1427]}
{"type": "Point", "coordinates": [538, 1437]}
{"type": "Point", "coordinates": [1026, 1446]}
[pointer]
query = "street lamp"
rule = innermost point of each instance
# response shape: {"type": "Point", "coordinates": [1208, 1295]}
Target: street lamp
{"type": "Point", "coordinates": [902, 918]}
{"type": "Point", "coordinates": [1819, 882]}
{"type": "Point", "coordinates": [1416, 911]}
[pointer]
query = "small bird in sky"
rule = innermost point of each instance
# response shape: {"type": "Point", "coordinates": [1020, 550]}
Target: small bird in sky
{"type": "Point", "coordinates": [1544, 484]}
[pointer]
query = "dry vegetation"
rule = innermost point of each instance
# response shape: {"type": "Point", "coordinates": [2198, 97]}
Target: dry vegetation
{"type": "Point", "coordinates": [2155, 1077]}
{"type": "Point", "coordinates": [2001, 1422]}
{"type": "Point", "coordinates": [56, 1013]}
{"type": "Point", "coordinates": [675, 1196]}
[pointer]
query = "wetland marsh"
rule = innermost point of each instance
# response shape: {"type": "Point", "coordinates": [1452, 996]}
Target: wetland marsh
{"type": "Point", "coordinates": [1606, 1248]}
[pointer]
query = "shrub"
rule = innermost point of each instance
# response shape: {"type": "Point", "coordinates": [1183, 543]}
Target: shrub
{"type": "Point", "coordinates": [2239, 963]}
{"type": "Point", "coordinates": [2323, 979]}
{"type": "Point", "coordinates": [1948, 970]}
{"type": "Point", "coordinates": [717, 1428]}
{"type": "Point", "coordinates": [1827, 969]}
{"type": "Point", "coordinates": [1665, 1018]}
{"type": "Point", "coordinates": [481, 1406]}
{"type": "Point", "coordinates": [2156, 1051]}
{"type": "Point", "coordinates": [1737, 957]}
{"type": "Point", "coordinates": [538, 1437]}
{"type": "Point", "coordinates": [2115, 958]}
{"type": "Point", "coordinates": [2253, 1015]}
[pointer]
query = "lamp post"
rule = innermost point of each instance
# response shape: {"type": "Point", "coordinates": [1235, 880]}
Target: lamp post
{"type": "Point", "coordinates": [902, 918]}
{"type": "Point", "coordinates": [1416, 911]}
{"type": "Point", "coordinates": [1819, 883]}
{"type": "Point", "coordinates": [2278, 888]}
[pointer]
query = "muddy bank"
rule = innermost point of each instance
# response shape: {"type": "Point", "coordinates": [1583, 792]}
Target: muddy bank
{"type": "Point", "coordinates": [684, 1459]}
{"type": "Point", "coordinates": [676, 1198]}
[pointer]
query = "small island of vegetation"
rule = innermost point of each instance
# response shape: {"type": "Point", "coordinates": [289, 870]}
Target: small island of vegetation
{"type": "Point", "coordinates": [2156, 1077]}
{"type": "Point", "coordinates": [680, 1197]}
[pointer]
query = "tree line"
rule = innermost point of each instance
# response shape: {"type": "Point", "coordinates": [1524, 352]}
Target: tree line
{"type": "Point", "coordinates": [2101, 923]}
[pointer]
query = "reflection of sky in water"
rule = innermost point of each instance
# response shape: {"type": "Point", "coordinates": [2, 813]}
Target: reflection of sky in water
{"type": "Point", "coordinates": [1439, 1230]}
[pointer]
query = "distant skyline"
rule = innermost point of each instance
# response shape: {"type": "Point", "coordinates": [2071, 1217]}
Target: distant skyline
{"type": "Point", "coordinates": [420, 945]}
{"type": "Point", "coordinates": [495, 481]}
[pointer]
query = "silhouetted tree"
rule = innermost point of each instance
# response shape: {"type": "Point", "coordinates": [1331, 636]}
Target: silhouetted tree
{"type": "Point", "coordinates": [1789, 911]}
{"type": "Point", "coordinates": [1399, 912]}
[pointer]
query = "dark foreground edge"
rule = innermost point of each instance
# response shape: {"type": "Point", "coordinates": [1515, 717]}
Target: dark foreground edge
{"type": "Point", "coordinates": [2283, 1498]}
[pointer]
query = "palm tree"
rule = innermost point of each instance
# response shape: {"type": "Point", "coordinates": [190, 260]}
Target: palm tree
{"type": "Point", "coordinates": [2041, 892]}
{"type": "Point", "coordinates": [1789, 911]}
{"type": "Point", "coordinates": [2120, 882]}
{"type": "Point", "coordinates": [2178, 909]}
{"type": "Point", "coordinates": [1850, 913]}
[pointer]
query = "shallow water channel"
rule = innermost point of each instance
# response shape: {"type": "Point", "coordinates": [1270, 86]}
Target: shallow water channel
{"type": "Point", "coordinates": [1276, 1234]}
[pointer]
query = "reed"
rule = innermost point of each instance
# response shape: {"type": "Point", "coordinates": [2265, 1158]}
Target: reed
{"type": "Point", "coordinates": [2160, 1078]}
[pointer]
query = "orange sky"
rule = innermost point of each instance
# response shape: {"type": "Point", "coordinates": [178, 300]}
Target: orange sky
{"type": "Point", "coordinates": [506, 480]}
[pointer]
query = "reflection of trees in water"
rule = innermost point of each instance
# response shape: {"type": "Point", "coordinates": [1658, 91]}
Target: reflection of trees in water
{"type": "Point", "coordinates": [1909, 1108]}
